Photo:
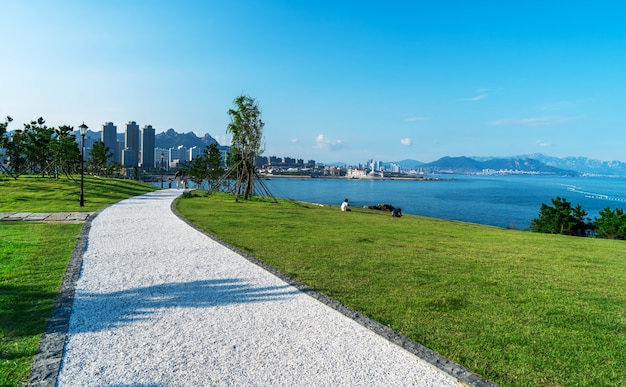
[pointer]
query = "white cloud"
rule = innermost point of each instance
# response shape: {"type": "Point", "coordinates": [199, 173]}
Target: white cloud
{"type": "Point", "coordinates": [543, 144]}
{"type": "Point", "coordinates": [476, 98]}
{"type": "Point", "coordinates": [557, 106]}
{"type": "Point", "coordinates": [414, 119]}
{"type": "Point", "coordinates": [405, 141]}
{"type": "Point", "coordinates": [537, 121]}
{"type": "Point", "coordinates": [294, 140]}
{"type": "Point", "coordinates": [223, 140]}
{"type": "Point", "coordinates": [324, 142]}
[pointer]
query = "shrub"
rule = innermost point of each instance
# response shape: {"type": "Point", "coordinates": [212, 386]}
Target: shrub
{"type": "Point", "coordinates": [561, 218]}
{"type": "Point", "coordinates": [611, 224]}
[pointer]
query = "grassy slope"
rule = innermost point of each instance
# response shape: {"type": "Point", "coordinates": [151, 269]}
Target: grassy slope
{"type": "Point", "coordinates": [34, 256]}
{"type": "Point", "coordinates": [518, 308]}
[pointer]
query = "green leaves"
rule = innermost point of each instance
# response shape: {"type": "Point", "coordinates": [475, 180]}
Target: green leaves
{"type": "Point", "coordinates": [246, 127]}
{"type": "Point", "coordinates": [562, 218]}
{"type": "Point", "coordinates": [611, 224]}
{"type": "Point", "coordinates": [100, 155]}
{"type": "Point", "coordinates": [39, 149]}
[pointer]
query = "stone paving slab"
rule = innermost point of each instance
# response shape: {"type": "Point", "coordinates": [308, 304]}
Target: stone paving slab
{"type": "Point", "coordinates": [46, 217]}
{"type": "Point", "coordinates": [58, 216]}
{"type": "Point", "coordinates": [80, 216]}
{"type": "Point", "coordinates": [39, 216]}
{"type": "Point", "coordinates": [18, 215]}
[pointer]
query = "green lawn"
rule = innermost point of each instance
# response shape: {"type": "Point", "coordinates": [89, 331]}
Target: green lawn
{"type": "Point", "coordinates": [34, 256]}
{"type": "Point", "coordinates": [521, 309]}
{"type": "Point", "coordinates": [37, 194]}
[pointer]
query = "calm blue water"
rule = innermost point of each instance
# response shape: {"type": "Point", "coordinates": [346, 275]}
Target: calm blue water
{"type": "Point", "coordinates": [502, 201]}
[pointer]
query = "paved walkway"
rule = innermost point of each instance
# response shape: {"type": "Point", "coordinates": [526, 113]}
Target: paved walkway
{"type": "Point", "coordinates": [73, 217]}
{"type": "Point", "coordinates": [159, 303]}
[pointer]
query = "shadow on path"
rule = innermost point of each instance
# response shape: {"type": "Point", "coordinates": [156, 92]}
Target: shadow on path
{"type": "Point", "coordinates": [116, 309]}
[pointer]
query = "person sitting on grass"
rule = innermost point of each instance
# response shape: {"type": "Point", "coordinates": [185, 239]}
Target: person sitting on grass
{"type": "Point", "coordinates": [344, 205]}
{"type": "Point", "coordinates": [396, 213]}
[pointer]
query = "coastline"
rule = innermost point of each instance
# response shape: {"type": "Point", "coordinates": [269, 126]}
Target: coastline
{"type": "Point", "coordinates": [270, 176]}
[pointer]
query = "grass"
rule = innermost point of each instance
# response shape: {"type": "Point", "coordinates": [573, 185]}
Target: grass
{"type": "Point", "coordinates": [521, 309]}
{"type": "Point", "coordinates": [34, 256]}
{"type": "Point", "coordinates": [37, 194]}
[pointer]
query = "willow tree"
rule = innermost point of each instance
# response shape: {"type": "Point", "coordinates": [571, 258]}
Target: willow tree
{"type": "Point", "coordinates": [246, 128]}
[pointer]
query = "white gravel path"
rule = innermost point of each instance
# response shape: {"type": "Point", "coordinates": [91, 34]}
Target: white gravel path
{"type": "Point", "coordinates": [161, 304]}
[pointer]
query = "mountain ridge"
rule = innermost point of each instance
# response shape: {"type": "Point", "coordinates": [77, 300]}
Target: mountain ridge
{"type": "Point", "coordinates": [584, 165]}
{"type": "Point", "coordinates": [171, 139]}
{"type": "Point", "coordinates": [510, 165]}
{"type": "Point", "coordinates": [536, 163]}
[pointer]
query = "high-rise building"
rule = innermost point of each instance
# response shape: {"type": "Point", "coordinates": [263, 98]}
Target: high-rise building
{"type": "Point", "coordinates": [194, 152]}
{"type": "Point", "coordinates": [147, 147]}
{"type": "Point", "coordinates": [109, 138]}
{"type": "Point", "coordinates": [131, 142]}
{"type": "Point", "coordinates": [180, 154]}
{"type": "Point", "coordinates": [128, 158]}
{"type": "Point", "coordinates": [162, 158]}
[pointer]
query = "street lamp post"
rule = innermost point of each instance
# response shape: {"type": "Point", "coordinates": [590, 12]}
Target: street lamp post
{"type": "Point", "coordinates": [162, 172]}
{"type": "Point", "coordinates": [83, 130]}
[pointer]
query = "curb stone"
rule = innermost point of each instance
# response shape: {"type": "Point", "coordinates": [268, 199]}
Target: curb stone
{"type": "Point", "coordinates": [47, 361]}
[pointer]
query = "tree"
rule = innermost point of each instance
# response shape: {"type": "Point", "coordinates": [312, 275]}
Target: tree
{"type": "Point", "coordinates": [214, 157]}
{"type": "Point", "coordinates": [37, 139]}
{"type": "Point", "coordinates": [246, 127]}
{"type": "Point", "coordinates": [16, 154]}
{"type": "Point", "coordinates": [198, 169]}
{"type": "Point", "coordinates": [611, 224]}
{"type": "Point", "coordinates": [4, 139]}
{"type": "Point", "coordinates": [3, 131]}
{"type": "Point", "coordinates": [100, 156]}
{"type": "Point", "coordinates": [64, 151]}
{"type": "Point", "coordinates": [207, 166]}
{"type": "Point", "coordinates": [561, 218]}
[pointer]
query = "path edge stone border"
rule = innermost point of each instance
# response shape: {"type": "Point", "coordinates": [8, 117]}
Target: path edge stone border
{"type": "Point", "coordinates": [47, 361]}
{"type": "Point", "coordinates": [462, 374]}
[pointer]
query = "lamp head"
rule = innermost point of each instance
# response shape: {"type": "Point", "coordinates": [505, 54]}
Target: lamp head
{"type": "Point", "coordinates": [83, 129]}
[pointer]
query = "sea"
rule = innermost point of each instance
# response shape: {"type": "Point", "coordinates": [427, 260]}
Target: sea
{"type": "Point", "coordinates": [509, 201]}
{"type": "Point", "coordinates": [502, 201]}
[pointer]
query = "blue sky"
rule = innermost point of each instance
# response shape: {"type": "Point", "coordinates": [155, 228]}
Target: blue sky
{"type": "Point", "coordinates": [336, 80]}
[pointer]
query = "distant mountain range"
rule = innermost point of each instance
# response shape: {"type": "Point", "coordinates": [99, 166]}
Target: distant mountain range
{"type": "Point", "coordinates": [534, 163]}
{"type": "Point", "coordinates": [167, 139]}
{"type": "Point", "coordinates": [172, 139]}
{"type": "Point", "coordinates": [584, 165]}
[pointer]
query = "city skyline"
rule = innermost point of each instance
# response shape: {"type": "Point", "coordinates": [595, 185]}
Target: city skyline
{"type": "Point", "coordinates": [128, 147]}
{"type": "Point", "coordinates": [346, 81]}
{"type": "Point", "coordinates": [120, 143]}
